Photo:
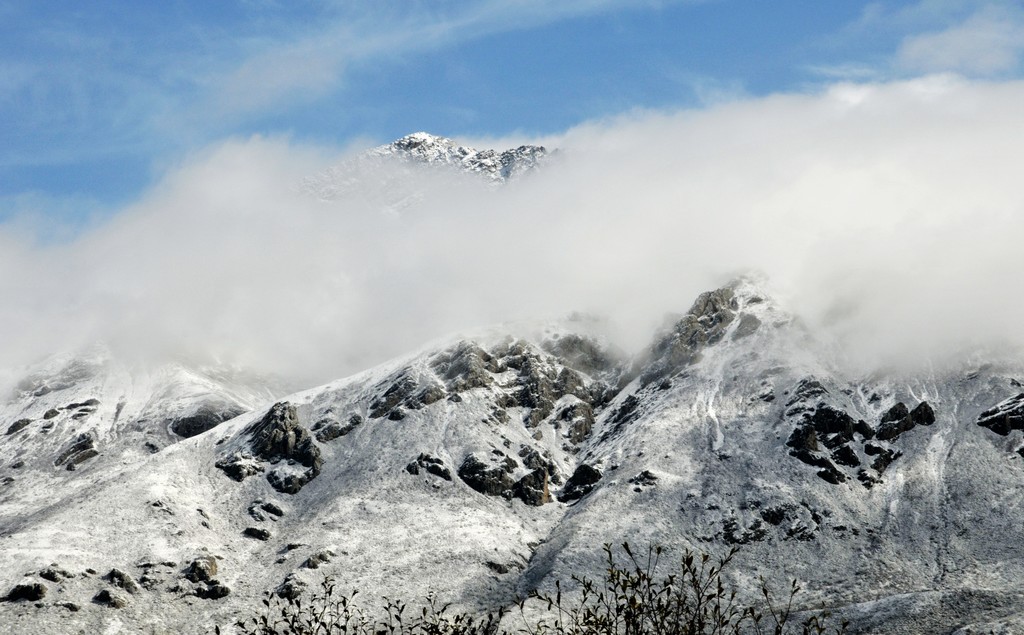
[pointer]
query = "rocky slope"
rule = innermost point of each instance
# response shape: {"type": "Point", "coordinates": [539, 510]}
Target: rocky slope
{"type": "Point", "coordinates": [487, 466]}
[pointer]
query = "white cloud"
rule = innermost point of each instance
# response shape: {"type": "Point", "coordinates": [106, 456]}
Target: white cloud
{"type": "Point", "coordinates": [900, 199]}
{"type": "Point", "coordinates": [989, 42]}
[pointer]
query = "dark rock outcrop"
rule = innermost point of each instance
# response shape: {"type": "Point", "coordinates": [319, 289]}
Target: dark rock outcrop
{"type": "Point", "coordinates": [532, 489]}
{"type": "Point", "coordinates": [582, 481]}
{"type": "Point", "coordinates": [202, 569]}
{"type": "Point", "coordinates": [207, 417]}
{"type": "Point", "coordinates": [466, 366]}
{"type": "Point", "coordinates": [111, 599]}
{"type": "Point", "coordinates": [334, 430]}
{"type": "Point", "coordinates": [123, 580]}
{"type": "Point", "coordinates": [257, 533]}
{"type": "Point", "coordinates": [54, 573]}
{"type": "Point", "coordinates": [431, 465]}
{"type": "Point", "coordinates": [212, 590]}
{"type": "Point", "coordinates": [26, 591]}
{"type": "Point", "coordinates": [579, 418]}
{"type": "Point", "coordinates": [81, 449]}
{"type": "Point", "coordinates": [899, 419]}
{"type": "Point", "coordinates": [704, 325]}
{"type": "Point", "coordinates": [1005, 416]}
{"type": "Point", "coordinates": [277, 437]}
{"type": "Point", "coordinates": [18, 426]}
{"type": "Point", "coordinates": [487, 478]}
{"type": "Point", "coordinates": [319, 558]}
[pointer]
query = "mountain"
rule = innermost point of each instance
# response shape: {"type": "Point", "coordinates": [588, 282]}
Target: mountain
{"type": "Point", "coordinates": [486, 466]}
{"type": "Point", "coordinates": [385, 173]}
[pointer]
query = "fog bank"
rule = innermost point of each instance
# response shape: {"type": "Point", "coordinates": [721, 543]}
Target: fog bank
{"type": "Point", "coordinates": [889, 214]}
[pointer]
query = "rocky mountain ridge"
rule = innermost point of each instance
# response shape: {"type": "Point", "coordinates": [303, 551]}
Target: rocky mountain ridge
{"type": "Point", "coordinates": [384, 173]}
{"type": "Point", "coordinates": [488, 466]}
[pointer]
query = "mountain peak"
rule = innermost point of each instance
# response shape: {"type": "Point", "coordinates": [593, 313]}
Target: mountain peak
{"type": "Point", "coordinates": [419, 149]}
{"type": "Point", "coordinates": [498, 166]}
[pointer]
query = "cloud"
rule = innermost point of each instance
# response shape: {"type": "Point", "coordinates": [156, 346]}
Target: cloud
{"type": "Point", "coordinates": [312, 63]}
{"type": "Point", "coordinates": [889, 214]}
{"type": "Point", "coordinates": [989, 42]}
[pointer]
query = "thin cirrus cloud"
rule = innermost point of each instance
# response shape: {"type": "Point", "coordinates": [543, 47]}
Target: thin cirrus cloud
{"type": "Point", "coordinates": [989, 42]}
{"type": "Point", "coordinates": [315, 63]}
{"type": "Point", "coordinates": [887, 213]}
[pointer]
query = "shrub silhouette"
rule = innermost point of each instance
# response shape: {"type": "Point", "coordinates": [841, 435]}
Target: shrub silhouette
{"type": "Point", "coordinates": [631, 599]}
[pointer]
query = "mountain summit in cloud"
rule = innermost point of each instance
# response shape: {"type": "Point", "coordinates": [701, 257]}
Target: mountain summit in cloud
{"type": "Point", "coordinates": [423, 150]}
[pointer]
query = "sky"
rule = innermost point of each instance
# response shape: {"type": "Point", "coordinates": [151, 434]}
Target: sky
{"type": "Point", "coordinates": [150, 156]}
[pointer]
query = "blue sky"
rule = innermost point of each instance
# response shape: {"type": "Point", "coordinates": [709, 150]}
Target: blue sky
{"type": "Point", "coordinates": [98, 100]}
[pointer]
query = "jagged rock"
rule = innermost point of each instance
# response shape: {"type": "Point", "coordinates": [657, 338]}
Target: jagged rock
{"type": "Point", "coordinates": [207, 417]}
{"type": "Point", "coordinates": [277, 437]}
{"type": "Point", "coordinates": [492, 480]}
{"type": "Point", "coordinates": [581, 353]}
{"type": "Point", "coordinates": [398, 392]}
{"type": "Point", "coordinates": [465, 366]}
{"type": "Point", "coordinates": [71, 606]}
{"type": "Point", "coordinates": [88, 403]}
{"type": "Point", "coordinates": [899, 419]}
{"type": "Point", "coordinates": [321, 557]}
{"type": "Point", "coordinates": [82, 448]}
{"type": "Point", "coordinates": [80, 457]}
{"type": "Point", "coordinates": [26, 591]}
{"type": "Point", "coordinates": [582, 481]}
{"type": "Point", "coordinates": [432, 465]}
{"type": "Point", "coordinates": [291, 588]}
{"type": "Point", "coordinates": [862, 428]}
{"type": "Point", "coordinates": [239, 466]}
{"type": "Point", "coordinates": [335, 430]}
{"type": "Point", "coordinates": [833, 426]}
{"type": "Point", "coordinates": [257, 533]}
{"type": "Point", "coordinates": [579, 418]}
{"type": "Point", "coordinates": [123, 580]}
{"type": "Point", "coordinates": [18, 426]}
{"type": "Point", "coordinates": [645, 478]}
{"type": "Point", "coordinates": [272, 508]}
{"type": "Point", "coordinates": [202, 569]}
{"type": "Point", "coordinates": [497, 567]}
{"type": "Point", "coordinates": [17, 465]}
{"type": "Point", "coordinates": [532, 489]}
{"type": "Point", "coordinates": [832, 475]}
{"type": "Point", "coordinates": [845, 455]}
{"type": "Point", "coordinates": [54, 573]}
{"type": "Point", "coordinates": [885, 459]}
{"type": "Point", "coordinates": [704, 325]}
{"type": "Point", "coordinates": [804, 438]}
{"type": "Point", "coordinates": [212, 590]}
{"type": "Point", "coordinates": [111, 599]}
{"type": "Point", "coordinates": [626, 411]}
{"type": "Point", "coordinates": [534, 460]}
{"type": "Point", "coordinates": [1005, 416]}
{"type": "Point", "coordinates": [288, 482]}
{"type": "Point", "coordinates": [923, 414]}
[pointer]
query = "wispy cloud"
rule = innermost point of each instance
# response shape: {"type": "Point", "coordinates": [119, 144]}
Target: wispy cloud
{"type": "Point", "coordinates": [989, 42]}
{"type": "Point", "coordinates": [316, 62]}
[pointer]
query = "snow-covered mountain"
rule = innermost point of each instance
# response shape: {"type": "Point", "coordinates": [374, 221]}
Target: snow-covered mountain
{"type": "Point", "coordinates": [384, 173]}
{"type": "Point", "coordinates": [486, 466]}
